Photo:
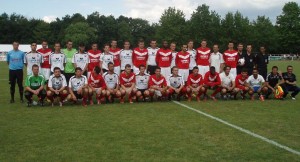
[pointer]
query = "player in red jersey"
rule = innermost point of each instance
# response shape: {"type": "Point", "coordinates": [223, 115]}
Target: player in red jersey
{"type": "Point", "coordinates": [94, 56]}
{"type": "Point", "coordinates": [202, 58]}
{"type": "Point", "coordinates": [240, 83]}
{"type": "Point", "coordinates": [139, 56]}
{"type": "Point", "coordinates": [115, 51]}
{"type": "Point", "coordinates": [176, 84]}
{"type": "Point", "coordinates": [194, 84]}
{"type": "Point", "coordinates": [231, 58]}
{"type": "Point", "coordinates": [183, 62]}
{"type": "Point", "coordinates": [164, 59]}
{"type": "Point", "coordinates": [97, 85]}
{"type": "Point", "coordinates": [212, 80]}
{"type": "Point", "coordinates": [127, 83]}
{"type": "Point", "coordinates": [158, 85]}
{"type": "Point", "coordinates": [45, 67]}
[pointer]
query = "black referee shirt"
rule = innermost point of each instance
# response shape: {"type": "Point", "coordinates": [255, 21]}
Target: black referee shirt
{"type": "Point", "coordinates": [273, 79]}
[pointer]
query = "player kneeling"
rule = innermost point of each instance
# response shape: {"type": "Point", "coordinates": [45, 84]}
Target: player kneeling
{"type": "Point", "coordinates": [175, 84]}
{"type": "Point", "coordinates": [112, 83]}
{"type": "Point", "coordinates": [127, 82]}
{"type": "Point", "coordinates": [227, 88]}
{"type": "Point", "coordinates": [195, 85]}
{"type": "Point", "coordinates": [158, 85]}
{"type": "Point", "coordinates": [257, 85]}
{"type": "Point", "coordinates": [96, 85]}
{"type": "Point", "coordinates": [142, 82]}
{"type": "Point", "coordinates": [78, 87]}
{"type": "Point", "coordinates": [240, 83]}
{"type": "Point", "coordinates": [57, 87]}
{"type": "Point", "coordinates": [212, 81]}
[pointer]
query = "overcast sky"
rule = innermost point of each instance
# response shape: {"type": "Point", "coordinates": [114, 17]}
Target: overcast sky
{"type": "Point", "coordinates": [150, 10]}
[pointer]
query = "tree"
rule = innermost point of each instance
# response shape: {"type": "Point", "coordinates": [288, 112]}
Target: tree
{"type": "Point", "coordinates": [41, 31]}
{"type": "Point", "coordinates": [80, 32]}
{"type": "Point", "coordinates": [288, 24]}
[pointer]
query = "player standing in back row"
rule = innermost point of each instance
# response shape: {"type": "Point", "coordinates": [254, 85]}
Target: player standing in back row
{"type": "Point", "coordinates": [164, 59]}
{"type": "Point", "coordinates": [202, 58]}
{"type": "Point", "coordinates": [151, 63]}
{"type": "Point", "coordinates": [126, 55]}
{"type": "Point", "coordinates": [193, 54]}
{"type": "Point", "coordinates": [115, 51]}
{"type": "Point", "coordinates": [139, 56]}
{"type": "Point", "coordinates": [69, 52]}
{"type": "Point", "coordinates": [32, 58]}
{"type": "Point", "coordinates": [231, 58]}
{"type": "Point", "coordinates": [81, 59]}
{"type": "Point", "coordinates": [45, 67]}
{"type": "Point", "coordinates": [94, 56]}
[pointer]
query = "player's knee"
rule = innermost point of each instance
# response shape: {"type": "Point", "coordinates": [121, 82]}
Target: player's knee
{"type": "Point", "coordinates": [103, 92]}
{"type": "Point", "coordinates": [64, 92]}
{"type": "Point", "coordinates": [49, 93]}
{"type": "Point", "coordinates": [138, 93]}
{"type": "Point", "coordinates": [247, 89]}
{"type": "Point", "coordinates": [146, 93]}
{"type": "Point", "coordinates": [118, 94]}
{"type": "Point", "coordinates": [224, 91]}
{"type": "Point", "coordinates": [134, 90]}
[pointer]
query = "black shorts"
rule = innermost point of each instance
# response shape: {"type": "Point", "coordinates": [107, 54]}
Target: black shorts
{"type": "Point", "coordinates": [68, 76]}
{"type": "Point", "coordinates": [142, 90]}
{"type": "Point", "coordinates": [151, 69]}
{"type": "Point", "coordinates": [78, 96]}
{"type": "Point", "coordinates": [15, 75]}
{"type": "Point", "coordinates": [104, 71]}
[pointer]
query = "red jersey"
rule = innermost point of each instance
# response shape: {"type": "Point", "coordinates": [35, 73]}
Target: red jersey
{"type": "Point", "coordinates": [45, 53]}
{"type": "Point", "coordinates": [94, 57]}
{"type": "Point", "coordinates": [212, 80]}
{"type": "Point", "coordinates": [161, 81]}
{"type": "Point", "coordinates": [240, 81]}
{"type": "Point", "coordinates": [116, 54]}
{"type": "Point", "coordinates": [195, 81]}
{"type": "Point", "coordinates": [96, 81]}
{"type": "Point", "coordinates": [139, 57]}
{"type": "Point", "coordinates": [127, 80]}
{"type": "Point", "coordinates": [231, 58]}
{"type": "Point", "coordinates": [183, 60]}
{"type": "Point", "coordinates": [203, 55]}
{"type": "Point", "coordinates": [163, 57]}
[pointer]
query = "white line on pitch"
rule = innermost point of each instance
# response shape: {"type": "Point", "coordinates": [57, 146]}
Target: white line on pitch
{"type": "Point", "coordinates": [241, 129]}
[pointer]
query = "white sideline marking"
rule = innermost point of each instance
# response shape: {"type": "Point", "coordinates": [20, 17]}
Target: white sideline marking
{"type": "Point", "coordinates": [241, 129]}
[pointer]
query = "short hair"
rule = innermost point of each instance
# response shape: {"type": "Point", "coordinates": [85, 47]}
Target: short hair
{"type": "Point", "coordinates": [106, 44]}
{"type": "Point", "coordinates": [97, 69]}
{"type": "Point", "coordinates": [204, 40]}
{"type": "Point", "coordinates": [56, 68]}
{"type": "Point", "coordinates": [15, 41]}
{"type": "Point", "coordinates": [275, 67]}
{"type": "Point", "coordinates": [81, 44]}
{"type": "Point", "coordinates": [157, 68]}
{"type": "Point", "coordinates": [78, 68]}
{"type": "Point", "coordinates": [244, 70]}
{"type": "Point", "coordinates": [33, 42]}
{"type": "Point", "coordinates": [110, 63]}
{"type": "Point", "coordinates": [56, 43]}
{"type": "Point", "coordinates": [174, 67]}
{"type": "Point", "coordinates": [113, 40]}
{"type": "Point", "coordinates": [191, 40]}
{"type": "Point", "coordinates": [44, 41]}
{"type": "Point", "coordinates": [142, 66]}
{"type": "Point", "coordinates": [289, 66]}
{"type": "Point", "coordinates": [255, 69]}
{"type": "Point", "coordinates": [173, 43]}
{"type": "Point", "coordinates": [34, 66]}
{"type": "Point", "coordinates": [69, 41]}
{"type": "Point", "coordinates": [195, 67]}
{"type": "Point", "coordinates": [127, 66]}
{"type": "Point", "coordinates": [141, 41]}
{"type": "Point", "coordinates": [226, 66]}
{"type": "Point", "coordinates": [153, 40]}
{"type": "Point", "coordinates": [212, 68]}
{"type": "Point", "coordinates": [126, 41]}
{"type": "Point", "coordinates": [240, 44]}
{"type": "Point", "coordinates": [231, 42]}
{"type": "Point", "coordinates": [94, 43]}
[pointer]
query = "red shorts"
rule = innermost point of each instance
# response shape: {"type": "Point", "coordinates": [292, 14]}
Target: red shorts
{"type": "Point", "coordinates": [241, 87]}
{"type": "Point", "coordinates": [172, 91]}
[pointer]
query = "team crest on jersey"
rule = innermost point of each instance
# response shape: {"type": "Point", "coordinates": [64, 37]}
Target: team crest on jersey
{"type": "Point", "coordinates": [241, 82]}
{"type": "Point", "coordinates": [212, 79]}
{"type": "Point", "coordinates": [195, 81]}
{"type": "Point", "coordinates": [157, 82]}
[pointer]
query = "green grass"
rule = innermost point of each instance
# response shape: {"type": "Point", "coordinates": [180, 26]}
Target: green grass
{"type": "Point", "coordinates": [159, 131]}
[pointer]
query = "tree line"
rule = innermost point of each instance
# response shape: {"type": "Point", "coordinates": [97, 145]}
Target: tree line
{"type": "Point", "coordinates": [281, 37]}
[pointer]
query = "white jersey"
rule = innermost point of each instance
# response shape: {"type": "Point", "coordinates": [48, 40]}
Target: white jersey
{"type": "Point", "coordinates": [31, 59]}
{"type": "Point", "coordinates": [255, 82]}
{"type": "Point", "coordinates": [227, 80]}
{"type": "Point", "coordinates": [151, 56]}
{"type": "Point", "coordinates": [57, 60]}
{"type": "Point", "coordinates": [111, 80]}
{"type": "Point", "coordinates": [142, 81]}
{"type": "Point", "coordinates": [81, 60]}
{"type": "Point", "coordinates": [175, 82]}
{"type": "Point", "coordinates": [76, 83]}
{"type": "Point", "coordinates": [173, 63]}
{"type": "Point", "coordinates": [193, 55]}
{"type": "Point", "coordinates": [125, 58]}
{"type": "Point", "coordinates": [105, 59]}
{"type": "Point", "coordinates": [57, 82]}
{"type": "Point", "coordinates": [216, 59]}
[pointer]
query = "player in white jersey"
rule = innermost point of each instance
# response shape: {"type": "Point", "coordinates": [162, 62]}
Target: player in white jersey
{"type": "Point", "coordinates": [227, 88]}
{"type": "Point", "coordinates": [57, 59]}
{"type": "Point", "coordinates": [174, 54]}
{"type": "Point", "coordinates": [81, 59]}
{"type": "Point", "coordinates": [257, 85]}
{"type": "Point", "coordinates": [142, 84]}
{"type": "Point", "coordinates": [78, 87]}
{"type": "Point", "coordinates": [176, 84]}
{"type": "Point", "coordinates": [216, 59]}
{"type": "Point", "coordinates": [151, 63]}
{"type": "Point", "coordinates": [32, 58]}
{"type": "Point", "coordinates": [112, 83]}
{"type": "Point", "coordinates": [126, 55]}
{"type": "Point", "coordinates": [105, 58]}
{"type": "Point", "coordinates": [193, 54]}
{"type": "Point", "coordinates": [57, 86]}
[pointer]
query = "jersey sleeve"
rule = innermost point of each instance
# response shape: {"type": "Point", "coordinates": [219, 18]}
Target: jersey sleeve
{"type": "Point", "coordinates": [73, 58]}
{"type": "Point", "coordinates": [65, 59]}
{"type": "Point", "coordinates": [25, 59]}
{"type": "Point", "coordinates": [85, 80]}
{"type": "Point", "coordinates": [27, 82]}
{"type": "Point", "coordinates": [8, 57]}
{"type": "Point", "coordinates": [64, 81]}
{"type": "Point", "coordinates": [188, 82]}
{"type": "Point", "coordinates": [42, 80]}
{"type": "Point", "coordinates": [168, 81]}
{"type": "Point", "coordinates": [150, 82]}
{"type": "Point", "coordinates": [121, 80]}
{"type": "Point", "coordinates": [70, 83]}
{"type": "Point", "coordinates": [103, 84]}
{"type": "Point", "coordinates": [221, 59]}
{"type": "Point", "coordinates": [42, 58]}
{"type": "Point", "coordinates": [262, 79]}
{"type": "Point", "coordinates": [50, 82]}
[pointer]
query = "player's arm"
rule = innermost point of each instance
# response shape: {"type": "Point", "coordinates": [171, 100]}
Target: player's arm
{"type": "Point", "coordinates": [7, 58]}
{"type": "Point", "coordinates": [74, 62]}
{"type": "Point", "coordinates": [25, 61]}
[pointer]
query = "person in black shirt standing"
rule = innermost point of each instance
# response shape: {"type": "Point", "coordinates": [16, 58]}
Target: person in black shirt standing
{"type": "Point", "coordinates": [250, 60]}
{"type": "Point", "coordinates": [262, 60]}
{"type": "Point", "coordinates": [290, 83]}
{"type": "Point", "coordinates": [273, 80]}
{"type": "Point", "coordinates": [241, 61]}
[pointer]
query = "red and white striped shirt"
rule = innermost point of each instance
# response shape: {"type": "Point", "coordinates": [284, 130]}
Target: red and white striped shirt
{"type": "Point", "coordinates": [231, 58]}
{"type": "Point", "coordinates": [164, 57]}
{"type": "Point", "coordinates": [139, 57]}
{"type": "Point", "coordinates": [45, 53]}
{"type": "Point", "coordinates": [127, 79]}
{"type": "Point", "coordinates": [157, 81]}
{"type": "Point", "coordinates": [116, 54]}
{"type": "Point", "coordinates": [182, 60]}
{"type": "Point", "coordinates": [94, 57]}
{"type": "Point", "coordinates": [203, 55]}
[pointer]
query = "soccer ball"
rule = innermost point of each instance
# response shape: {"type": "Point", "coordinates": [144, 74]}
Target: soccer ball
{"type": "Point", "coordinates": [241, 61]}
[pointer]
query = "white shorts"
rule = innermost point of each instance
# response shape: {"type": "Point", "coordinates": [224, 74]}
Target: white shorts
{"type": "Point", "coordinates": [184, 73]}
{"type": "Point", "coordinates": [46, 73]}
{"type": "Point", "coordinates": [203, 70]}
{"type": "Point", "coordinates": [233, 72]}
{"type": "Point", "coordinates": [117, 70]}
{"type": "Point", "coordinates": [136, 70]}
{"type": "Point", "coordinates": [165, 71]}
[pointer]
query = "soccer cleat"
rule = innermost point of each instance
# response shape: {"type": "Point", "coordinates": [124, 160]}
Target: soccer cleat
{"type": "Point", "coordinates": [261, 97]}
{"type": "Point", "coordinates": [189, 99]}
{"type": "Point", "coordinates": [293, 98]}
{"type": "Point", "coordinates": [84, 103]}
{"type": "Point", "coordinates": [60, 104]}
{"type": "Point", "coordinates": [130, 100]}
{"type": "Point", "coordinates": [252, 97]}
{"type": "Point", "coordinates": [122, 100]}
{"type": "Point", "coordinates": [198, 99]}
{"type": "Point", "coordinates": [98, 101]}
{"type": "Point", "coordinates": [12, 101]}
{"type": "Point", "coordinates": [91, 102]}
{"type": "Point", "coordinates": [178, 98]}
{"type": "Point", "coordinates": [213, 98]}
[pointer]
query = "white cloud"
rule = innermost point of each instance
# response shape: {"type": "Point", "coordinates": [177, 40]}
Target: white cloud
{"type": "Point", "coordinates": [151, 10]}
{"type": "Point", "coordinates": [49, 18]}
